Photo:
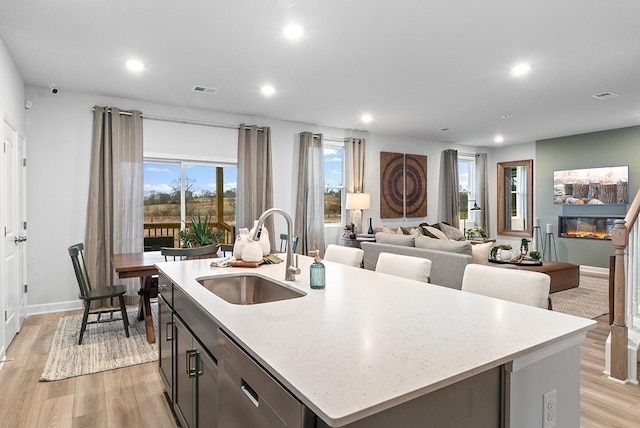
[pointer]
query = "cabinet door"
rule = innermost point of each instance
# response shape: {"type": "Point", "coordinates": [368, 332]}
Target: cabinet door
{"type": "Point", "coordinates": [184, 385]}
{"type": "Point", "coordinates": [165, 345]}
{"type": "Point", "coordinates": [207, 380]}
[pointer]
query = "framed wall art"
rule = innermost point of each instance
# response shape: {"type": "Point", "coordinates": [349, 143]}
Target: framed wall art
{"type": "Point", "coordinates": [403, 185]}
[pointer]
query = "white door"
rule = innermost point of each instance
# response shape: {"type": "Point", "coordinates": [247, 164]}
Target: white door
{"type": "Point", "coordinates": [11, 189]}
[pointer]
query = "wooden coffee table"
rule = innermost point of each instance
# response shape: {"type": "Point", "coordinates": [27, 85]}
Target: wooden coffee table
{"type": "Point", "coordinates": [563, 275]}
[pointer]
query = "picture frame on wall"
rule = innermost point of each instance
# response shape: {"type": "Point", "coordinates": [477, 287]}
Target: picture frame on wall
{"type": "Point", "coordinates": [403, 185]}
{"type": "Point", "coordinates": [591, 186]}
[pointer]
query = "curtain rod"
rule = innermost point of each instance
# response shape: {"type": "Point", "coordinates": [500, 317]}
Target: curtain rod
{"type": "Point", "coordinates": [335, 139]}
{"type": "Point", "coordinates": [185, 121]}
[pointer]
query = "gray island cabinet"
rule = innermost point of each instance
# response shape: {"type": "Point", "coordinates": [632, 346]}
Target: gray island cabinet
{"type": "Point", "coordinates": [370, 350]}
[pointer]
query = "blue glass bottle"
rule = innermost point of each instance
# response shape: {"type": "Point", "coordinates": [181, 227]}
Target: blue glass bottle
{"type": "Point", "coordinates": [316, 272]}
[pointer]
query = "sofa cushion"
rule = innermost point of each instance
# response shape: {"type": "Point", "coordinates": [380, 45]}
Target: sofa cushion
{"type": "Point", "coordinates": [394, 239]}
{"type": "Point", "coordinates": [462, 247]}
{"type": "Point", "coordinates": [447, 268]}
{"type": "Point", "coordinates": [480, 252]}
{"type": "Point", "coordinates": [433, 232]}
{"type": "Point", "coordinates": [452, 233]}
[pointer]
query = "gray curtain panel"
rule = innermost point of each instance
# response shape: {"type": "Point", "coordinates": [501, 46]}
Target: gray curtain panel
{"type": "Point", "coordinates": [451, 189]}
{"type": "Point", "coordinates": [309, 218]}
{"type": "Point", "coordinates": [255, 177]}
{"type": "Point", "coordinates": [483, 190]}
{"type": "Point", "coordinates": [354, 149]}
{"type": "Point", "coordinates": [115, 206]}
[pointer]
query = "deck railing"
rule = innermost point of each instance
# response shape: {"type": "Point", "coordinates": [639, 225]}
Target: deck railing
{"type": "Point", "coordinates": [171, 230]}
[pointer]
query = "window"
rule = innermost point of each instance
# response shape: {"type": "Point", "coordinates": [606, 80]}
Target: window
{"type": "Point", "coordinates": [176, 191]}
{"type": "Point", "coordinates": [466, 186]}
{"type": "Point", "coordinates": [333, 182]}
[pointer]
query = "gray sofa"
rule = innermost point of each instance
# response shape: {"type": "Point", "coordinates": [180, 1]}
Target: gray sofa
{"type": "Point", "coordinates": [447, 268]}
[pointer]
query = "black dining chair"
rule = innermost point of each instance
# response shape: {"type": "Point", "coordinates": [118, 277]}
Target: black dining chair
{"type": "Point", "coordinates": [205, 252]}
{"type": "Point", "coordinates": [89, 294]}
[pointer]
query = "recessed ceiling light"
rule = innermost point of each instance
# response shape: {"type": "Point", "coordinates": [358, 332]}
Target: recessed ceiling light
{"type": "Point", "coordinates": [521, 69]}
{"type": "Point", "coordinates": [293, 32]}
{"type": "Point", "coordinates": [366, 118]}
{"type": "Point", "coordinates": [498, 139]}
{"type": "Point", "coordinates": [506, 116]}
{"type": "Point", "coordinates": [135, 65]}
{"type": "Point", "coordinates": [444, 129]}
{"type": "Point", "coordinates": [268, 90]}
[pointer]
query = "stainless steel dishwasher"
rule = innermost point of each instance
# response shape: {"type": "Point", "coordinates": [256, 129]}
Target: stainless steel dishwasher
{"type": "Point", "coordinates": [248, 396]}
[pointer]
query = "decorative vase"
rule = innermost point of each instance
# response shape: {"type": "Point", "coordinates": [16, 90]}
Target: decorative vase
{"type": "Point", "coordinates": [263, 240]}
{"type": "Point", "coordinates": [505, 255]}
{"type": "Point", "coordinates": [252, 252]}
{"type": "Point", "coordinates": [241, 241]}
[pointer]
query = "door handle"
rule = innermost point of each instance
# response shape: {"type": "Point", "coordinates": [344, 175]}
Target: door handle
{"type": "Point", "coordinates": [191, 362]}
{"type": "Point", "coordinates": [169, 337]}
{"type": "Point", "coordinates": [19, 239]}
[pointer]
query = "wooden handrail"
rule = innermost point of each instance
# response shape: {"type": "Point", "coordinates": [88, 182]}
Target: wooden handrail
{"type": "Point", "coordinates": [619, 331]}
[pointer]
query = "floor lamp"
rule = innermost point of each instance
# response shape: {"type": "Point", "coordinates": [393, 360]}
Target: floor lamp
{"type": "Point", "coordinates": [357, 202]}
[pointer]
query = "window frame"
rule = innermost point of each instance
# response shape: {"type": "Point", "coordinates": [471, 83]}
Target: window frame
{"type": "Point", "coordinates": [340, 146]}
{"type": "Point", "coordinates": [183, 163]}
{"type": "Point", "coordinates": [472, 216]}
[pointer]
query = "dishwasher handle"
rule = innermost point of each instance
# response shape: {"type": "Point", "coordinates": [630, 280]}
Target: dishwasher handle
{"type": "Point", "coordinates": [251, 394]}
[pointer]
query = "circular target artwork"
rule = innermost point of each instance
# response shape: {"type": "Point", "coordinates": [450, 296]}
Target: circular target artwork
{"type": "Point", "coordinates": [403, 185]}
{"type": "Point", "coordinates": [391, 185]}
{"type": "Point", "coordinates": [416, 185]}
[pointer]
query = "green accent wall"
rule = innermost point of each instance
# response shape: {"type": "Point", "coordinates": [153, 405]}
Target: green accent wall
{"type": "Point", "coordinates": [596, 149]}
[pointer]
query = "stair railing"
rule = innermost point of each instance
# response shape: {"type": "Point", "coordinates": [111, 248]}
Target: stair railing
{"type": "Point", "coordinates": [624, 339]}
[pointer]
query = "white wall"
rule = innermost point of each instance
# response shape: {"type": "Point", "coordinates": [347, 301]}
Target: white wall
{"type": "Point", "coordinates": [11, 90]}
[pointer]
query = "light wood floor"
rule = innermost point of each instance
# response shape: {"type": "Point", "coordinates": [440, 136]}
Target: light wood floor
{"type": "Point", "coordinates": [132, 397]}
{"type": "Point", "coordinates": [127, 397]}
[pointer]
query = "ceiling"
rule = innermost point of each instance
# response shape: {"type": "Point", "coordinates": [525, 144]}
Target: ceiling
{"type": "Point", "coordinates": [416, 66]}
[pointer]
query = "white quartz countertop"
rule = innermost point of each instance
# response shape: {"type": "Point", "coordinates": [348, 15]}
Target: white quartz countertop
{"type": "Point", "coordinates": [371, 341]}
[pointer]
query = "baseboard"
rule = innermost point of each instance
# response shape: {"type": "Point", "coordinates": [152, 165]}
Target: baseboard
{"type": "Point", "coordinates": [599, 272]}
{"type": "Point", "coordinates": [54, 307]}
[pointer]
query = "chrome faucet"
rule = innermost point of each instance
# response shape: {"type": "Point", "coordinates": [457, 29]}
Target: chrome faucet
{"type": "Point", "coordinates": [291, 270]}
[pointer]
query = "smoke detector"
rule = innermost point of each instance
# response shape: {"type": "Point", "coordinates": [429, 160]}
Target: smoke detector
{"type": "Point", "coordinates": [604, 95]}
{"type": "Point", "coordinates": [205, 90]}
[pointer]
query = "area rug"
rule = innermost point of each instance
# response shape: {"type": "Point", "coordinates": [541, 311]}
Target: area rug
{"type": "Point", "coordinates": [589, 300]}
{"type": "Point", "coordinates": [104, 347]}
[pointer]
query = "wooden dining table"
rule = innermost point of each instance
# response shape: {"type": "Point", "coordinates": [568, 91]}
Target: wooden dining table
{"type": "Point", "coordinates": [140, 265]}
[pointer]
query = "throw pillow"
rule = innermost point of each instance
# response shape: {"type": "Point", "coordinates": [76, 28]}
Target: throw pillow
{"type": "Point", "coordinates": [436, 233]}
{"type": "Point", "coordinates": [387, 230]}
{"type": "Point", "coordinates": [393, 239]}
{"type": "Point", "coordinates": [480, 252]}
{"type": "Point", "coordinates": [401, 231]}
{"type": "Point", "coordinates": [414, 232]}
{"type": "Point", "coordinates": [462, 247]}
{"type": "Point", "coordinates": [405, 230]}
{"type": "Point", "coordinates": [452, 233]}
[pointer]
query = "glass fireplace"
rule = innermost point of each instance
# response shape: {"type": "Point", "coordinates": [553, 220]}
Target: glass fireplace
{"type": "Point", "coordinates": [584, 227]}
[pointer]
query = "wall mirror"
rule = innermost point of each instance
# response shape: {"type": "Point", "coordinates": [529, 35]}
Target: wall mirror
{"type": "Point", "coordinates": [515, 198]}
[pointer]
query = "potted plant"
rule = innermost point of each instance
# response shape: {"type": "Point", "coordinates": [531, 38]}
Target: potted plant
{"type": "Point", "coordinates": [535, 255]}
{"type": "Point", "coordinates": [499, 248]}
{"type": "Point", "coordinates": [524, 245]}
{"type": "Point", "coordinates": [198, 233]}
{"type": "Point", "coordinates": [475, 231]}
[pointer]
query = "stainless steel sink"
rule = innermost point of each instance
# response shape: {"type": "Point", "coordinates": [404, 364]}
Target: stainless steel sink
{"type": "Point", "coordinates": [248, 289]}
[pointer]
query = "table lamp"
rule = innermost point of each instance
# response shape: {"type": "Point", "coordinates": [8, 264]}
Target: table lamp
{"type": "Point", "coordinates": [357, 202]}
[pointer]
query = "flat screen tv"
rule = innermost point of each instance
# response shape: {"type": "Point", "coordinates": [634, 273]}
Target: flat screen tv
{"type": "Point", "coordinates": [591, 186]}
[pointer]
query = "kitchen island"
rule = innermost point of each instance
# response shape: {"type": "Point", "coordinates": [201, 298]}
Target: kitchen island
{"type": "Point", "coordinates": [371, 344]}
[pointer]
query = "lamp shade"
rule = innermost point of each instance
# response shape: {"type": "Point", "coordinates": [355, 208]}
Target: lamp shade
{"type": "Point", "coordinates": [358, 201]}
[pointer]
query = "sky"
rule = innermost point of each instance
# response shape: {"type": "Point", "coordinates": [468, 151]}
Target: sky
{"type": "Point", "coordinates": [162, 177]}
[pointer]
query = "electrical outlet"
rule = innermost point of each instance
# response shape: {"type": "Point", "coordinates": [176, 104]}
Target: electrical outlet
{"type": "Point", "coordinates": [549, 409]}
